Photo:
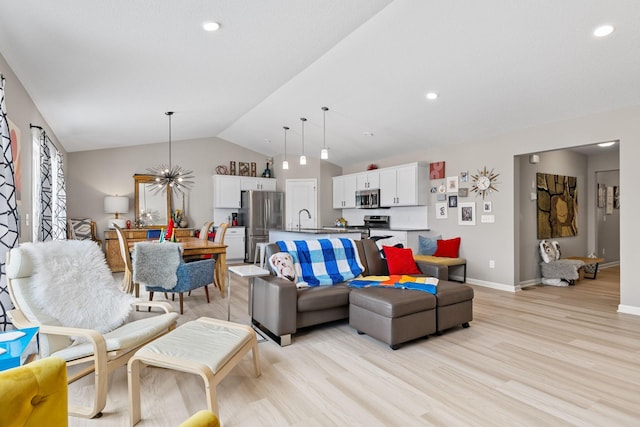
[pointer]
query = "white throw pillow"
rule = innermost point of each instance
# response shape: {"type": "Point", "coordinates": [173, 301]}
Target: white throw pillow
{"type": "Point", "coordinates": [282, 264]}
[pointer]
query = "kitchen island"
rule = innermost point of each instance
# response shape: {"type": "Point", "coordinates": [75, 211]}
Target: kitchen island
{"type": "Point", "coordinates": [312, 234]}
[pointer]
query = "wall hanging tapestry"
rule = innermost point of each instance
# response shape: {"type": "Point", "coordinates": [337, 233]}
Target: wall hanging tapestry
{"type": "Point", "coordinates": [557, 205]}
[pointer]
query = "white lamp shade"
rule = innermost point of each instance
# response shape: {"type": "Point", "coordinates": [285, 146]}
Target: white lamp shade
{"type": "Point", "coordinates": [324, 154]}
{"type": "Point", "coordinates": [116, 204]}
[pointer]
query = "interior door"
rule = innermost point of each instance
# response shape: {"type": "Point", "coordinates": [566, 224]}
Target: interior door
{"type": "Point", "coordinates": [301, 194]}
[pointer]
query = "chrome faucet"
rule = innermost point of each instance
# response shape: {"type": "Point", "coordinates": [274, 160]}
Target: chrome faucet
{"type": "Point", "coordinates": [299, 212]}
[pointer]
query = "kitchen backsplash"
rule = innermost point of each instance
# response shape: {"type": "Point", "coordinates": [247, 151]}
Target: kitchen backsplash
{"type": "Point", "coordinates": [401, 217]}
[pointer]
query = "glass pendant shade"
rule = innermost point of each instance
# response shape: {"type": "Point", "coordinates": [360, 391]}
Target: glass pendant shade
{"type": "Point", "coordinates": [285, 163]}
{"type": "Point", "coordinates": [303, 158]}
{"type": "Point", "coordinates": [324, 153]}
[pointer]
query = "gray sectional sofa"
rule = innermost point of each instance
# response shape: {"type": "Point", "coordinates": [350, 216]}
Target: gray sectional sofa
{"type": "Point", "coordinates": [393, 316]}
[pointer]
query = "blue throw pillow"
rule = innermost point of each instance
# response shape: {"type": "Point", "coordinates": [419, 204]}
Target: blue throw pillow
{"type": "Point", "coordinates": [428, 245]}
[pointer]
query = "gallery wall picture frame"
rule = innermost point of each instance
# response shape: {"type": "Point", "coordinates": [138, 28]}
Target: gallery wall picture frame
{"type": "Point", "coordinates": [253, 168]}
{"type": "Point", "coordinates": [467, 213]}
{"type": "Point", "coordinates": [441, 211]}
{"type": "Point", "coordinates": [436, 170]}
{"type": "Point", "coordinates": [441, 197]}
{"type": "Point", "coordinates": [486, 206]}
{"type": "Point", "coordinates": [453, 201]}
{"type": "Point", "coordinates": [463, 192]}
{"type": "Point", "coordinates": [464, 176]}
{"type": "Point", "coordinates": [452, 184]}
{"type": "Point", "coordinates": [232, 167]}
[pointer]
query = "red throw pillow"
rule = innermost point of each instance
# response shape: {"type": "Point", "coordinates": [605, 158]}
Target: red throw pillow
{"type": "Point", "coordinates": [448, 248]}
{"type": "Point", "coordinates": [400, 260]}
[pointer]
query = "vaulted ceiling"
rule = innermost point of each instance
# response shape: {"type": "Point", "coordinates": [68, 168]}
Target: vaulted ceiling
{"type": "Point", "coordinates": [102, 73]}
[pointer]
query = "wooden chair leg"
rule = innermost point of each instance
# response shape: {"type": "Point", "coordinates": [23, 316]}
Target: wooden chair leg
{"type": "Point", "coordinates": [150, 299]}
{"type": "Point", "coordinates": [181, 303]}
{"type": "Point", "coordinates": [206, 291]}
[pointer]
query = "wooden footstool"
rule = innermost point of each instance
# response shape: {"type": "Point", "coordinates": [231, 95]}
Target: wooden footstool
{"type": "Point", "coordinates": [206, 347]}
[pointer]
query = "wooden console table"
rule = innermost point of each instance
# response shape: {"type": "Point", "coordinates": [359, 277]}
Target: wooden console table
{"type": "Point", "coordinates": [112, 248]}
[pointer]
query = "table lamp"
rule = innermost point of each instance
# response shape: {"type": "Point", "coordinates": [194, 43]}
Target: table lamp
{"type": "Point", "coordinates": [116, 205]}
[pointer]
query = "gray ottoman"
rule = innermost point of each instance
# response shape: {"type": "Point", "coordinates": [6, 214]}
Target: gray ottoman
{"type": "Point", "coordinates": [454, 305]}
{"type": "Point", "coordinates": [394, 316]}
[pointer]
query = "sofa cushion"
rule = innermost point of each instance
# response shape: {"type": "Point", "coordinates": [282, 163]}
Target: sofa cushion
{"type": "Point", "coordinates": [400, 260]}
{"type": "Point", "coordinates": [323, 297]}
{"type": "Point", "coordinates": [448, 248]}
{"type": "Point", "coordinates": [453, 293]}
{"type": "Point", "coordinates": [282, 264]}
{"type": "Point", "coordinates": [392, 303]}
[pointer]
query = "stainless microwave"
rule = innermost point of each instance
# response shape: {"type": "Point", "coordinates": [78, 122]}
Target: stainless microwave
{"type": "Point", "coordinates": [368, 199]}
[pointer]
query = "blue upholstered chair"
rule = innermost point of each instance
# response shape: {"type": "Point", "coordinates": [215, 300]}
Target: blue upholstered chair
{"type": "Point", "coordinates": [161, 268]}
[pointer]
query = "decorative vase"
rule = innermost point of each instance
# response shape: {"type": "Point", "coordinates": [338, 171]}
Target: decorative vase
{"type": "Point", "coordinates": [183, 223]}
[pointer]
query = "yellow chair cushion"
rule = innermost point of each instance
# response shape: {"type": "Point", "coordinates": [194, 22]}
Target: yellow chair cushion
{"type": "Point", "coordinates": [34, 394]}
{"type": "Point", "coordinates": [202, 418]}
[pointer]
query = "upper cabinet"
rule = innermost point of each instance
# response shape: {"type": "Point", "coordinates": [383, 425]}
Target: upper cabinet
{"type": "Point", "coordinates": [226, 191]}
{"type": "Point", "coordinates": [258, 184]}
{"type": "Point", "coordinates": [227, 188]}
{"type": "Point", "coordinates": [344, 191]}
{"type": "Point", "coordinates": [404, 185]}
{"type": "Point", "coordinates": [368, 180]}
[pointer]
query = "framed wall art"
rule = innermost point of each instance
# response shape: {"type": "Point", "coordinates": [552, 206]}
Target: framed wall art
{"type": "Point", "coordinates": [436, 170]}
{"type": "Point", "coordinates": [557, 205]}
{"type": "Point", "coordinates": [463, 192]}
{"type": "Point", "coordinates": [453, 201]}
{"type": "Point", "coordinates": [243, 169]}
{"type": "Point", "coordinates": [486, 206]}
{"type": "Point", "coordinates": [452, 184]}
{"type": "Point", "coordinates": [467, 213]}
{"type": "Point", "coordinates": [441, 211]}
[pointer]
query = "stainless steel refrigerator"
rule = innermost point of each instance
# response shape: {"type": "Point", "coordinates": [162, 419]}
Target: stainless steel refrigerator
{"type": "Point", "coordinates": [260, 211]}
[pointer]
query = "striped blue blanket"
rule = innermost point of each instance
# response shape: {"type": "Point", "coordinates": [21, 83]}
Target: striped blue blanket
{"type": "Point", "coordinates": [323, 261]}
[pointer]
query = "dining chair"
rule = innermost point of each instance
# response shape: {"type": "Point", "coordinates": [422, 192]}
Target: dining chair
{"type": "Point", "coordinates": [220, 232]}
{"type": "Point", "coordinates": [204, 231]}
{"type": "Point", "coordinates": [161, 268]}
{"type": "Point", "coordinates": [128, 285]}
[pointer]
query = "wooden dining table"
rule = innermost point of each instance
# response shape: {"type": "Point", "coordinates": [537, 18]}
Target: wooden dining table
{"type": "Point", "coordinates": [195, 246]}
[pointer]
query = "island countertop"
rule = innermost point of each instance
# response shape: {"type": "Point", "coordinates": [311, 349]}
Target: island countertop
{"type": "Point", "coordinates": [312, 233]}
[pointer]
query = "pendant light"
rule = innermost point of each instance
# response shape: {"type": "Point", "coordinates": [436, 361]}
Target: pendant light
{"type": "Point", "coordinates": [285, 163]}
{"type": "Point", "coordinates": [324, 153]}
{"type": "Point", "coordinates": [168, 176]}
{"type": "Point", "coordinates": [303, 158]}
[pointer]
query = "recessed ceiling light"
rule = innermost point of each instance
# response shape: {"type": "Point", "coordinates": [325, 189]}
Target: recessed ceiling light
{"type": "Point", "coordinates": [431, 95]}
{"type": "Point", "coordinates": [367, 133]}
{"type": "Point", "coordinates": [211, 26]}
{"type": "Point", "coordinates": [606, 144]}
{"type": "Point", "coordinates": [603, 30]}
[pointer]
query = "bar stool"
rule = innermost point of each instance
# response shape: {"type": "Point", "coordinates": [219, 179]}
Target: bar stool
{"type": "Point", "coordinates": [261, 251]}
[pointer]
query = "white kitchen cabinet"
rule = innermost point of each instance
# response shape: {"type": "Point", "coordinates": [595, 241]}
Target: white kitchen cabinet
{"type": "Point", "coordinates": [404, 185]}
{"type": "Point", "coordinates": [226, 191]}
{"type": "Point", "coordinates": [234, 239]}
{"type": "Point", "coordinates": [344, 191]}
{"type": "Point", "coordinates": [258, 184]}
{"type": "Point", "coordinates": [368, 180]}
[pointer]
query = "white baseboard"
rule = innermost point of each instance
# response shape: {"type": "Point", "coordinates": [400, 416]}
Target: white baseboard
{"type": "Point", "coordinates": [494, 285]}
{"type": "Point", "coordinates": [629, 309]}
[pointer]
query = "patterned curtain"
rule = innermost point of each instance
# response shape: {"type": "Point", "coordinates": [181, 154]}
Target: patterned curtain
{"type": "Point", "coordinates": [8, 209]}
{"type": "Point", "coordinates": [59, 220]}
{"type": "Point", "coordinates": [50, 199]}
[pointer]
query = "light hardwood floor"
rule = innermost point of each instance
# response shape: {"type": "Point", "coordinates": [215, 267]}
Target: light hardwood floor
{"type": "Point", "coordinates": [543, 356]}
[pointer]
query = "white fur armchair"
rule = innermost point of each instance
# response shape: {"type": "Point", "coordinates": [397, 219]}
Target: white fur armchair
{"type": "Point", "coordinates": [556, 271]}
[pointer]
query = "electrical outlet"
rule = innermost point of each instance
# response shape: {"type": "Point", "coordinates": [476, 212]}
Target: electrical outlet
{"type": "Point", "coordinates": [492, 264]}
{"type": "Point", "coordinates": [603, 251]}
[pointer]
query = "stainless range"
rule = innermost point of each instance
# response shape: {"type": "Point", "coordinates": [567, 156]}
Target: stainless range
{"type": "Point", "coordinates": [371, 221]}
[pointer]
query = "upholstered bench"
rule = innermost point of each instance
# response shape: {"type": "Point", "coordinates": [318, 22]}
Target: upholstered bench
{"type": "Point", "coordinates": [449, 262]}
{"type": "Point", "coordinates": [393, 316]}
{"type": "Point", "coordinates": [206, 347]}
